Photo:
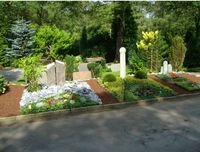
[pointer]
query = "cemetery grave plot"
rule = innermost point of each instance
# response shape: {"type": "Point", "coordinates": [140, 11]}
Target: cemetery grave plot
{"type": "Point", "coordinates": [172, 86]}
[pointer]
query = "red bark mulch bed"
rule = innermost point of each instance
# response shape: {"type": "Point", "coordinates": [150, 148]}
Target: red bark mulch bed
{"type": "Point", "coordinates": [9, 102]}
{"type": "Point", "coordinates": [106, 97]}
{"type": "Point", "coordinates": [174, 87]}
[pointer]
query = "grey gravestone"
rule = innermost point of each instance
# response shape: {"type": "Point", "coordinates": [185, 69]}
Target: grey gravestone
{"type": "Point", "coordinates": [114, 67]}
{"type": "Point", "coordinates": [51, 73]}
{"type": "Point", "coordinates": [60, 72]}
{"type": "Point", "coordinates": [82, 67]}
{"type": "Point", "coordinates": [169, 68]}
{"type": "Point", "coordinates": [161, 69]}
{"type": "Point", "coordinates": [165, 66]}
{"type": "Point", "coordinates": [83, 75]}
{"type": "Point", "coordinates": [54, 74]}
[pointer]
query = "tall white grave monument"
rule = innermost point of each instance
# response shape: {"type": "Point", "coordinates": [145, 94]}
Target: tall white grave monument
{"type": "Point", "coordinates": [122, 51]}
{"type": "Point", "coordinates": [166, 68]}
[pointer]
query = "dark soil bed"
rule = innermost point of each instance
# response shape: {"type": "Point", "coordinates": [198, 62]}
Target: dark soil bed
{"type": "Point", "coordinates": [9, 102]}
{"type": "Point", "coordinates": [106, 97]}
{"type": "Point", "coordinates": [174, 87]}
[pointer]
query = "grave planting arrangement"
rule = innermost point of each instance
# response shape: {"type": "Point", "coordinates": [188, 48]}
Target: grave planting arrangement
{"type": "Point", "coordinates": [134, 88]}
{"type": "Point", "coordinates": [182, 82]}
{"type": "Point", "coordinates": [54, 97]}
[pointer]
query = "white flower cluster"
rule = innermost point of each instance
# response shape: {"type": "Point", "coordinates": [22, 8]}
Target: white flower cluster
{"type": "Point", "coordinates": [81, 88]}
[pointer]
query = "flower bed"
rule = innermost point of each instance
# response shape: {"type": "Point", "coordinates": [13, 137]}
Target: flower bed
{"type": "Point", "coordinates": [70, 95]}
{"type": "Point", "coordinates": [131, 89]}
{"type": "Point", "coordinates": [179, 81]}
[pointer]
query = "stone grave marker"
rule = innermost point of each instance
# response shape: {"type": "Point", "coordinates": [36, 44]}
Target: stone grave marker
{"type": "Point", "coordinates": [82, 75]}
{"type": "Point", "coordinates": [54, 74]}
{"type": "Point", "coordinates": [60, 72]}
{"type": "Point", "coordinates": [51, 74]}
{"type": "Point", "coordinates": [169, 68]}
{"type": "Point", "coordinates": [82, 67]}
{"type": "Point", "coordinates": [165, 66]}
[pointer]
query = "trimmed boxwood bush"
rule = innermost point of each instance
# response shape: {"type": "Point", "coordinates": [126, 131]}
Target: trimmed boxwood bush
{"type": "Point", "coordinates": [94, 68]}
{"type": "Point", "coordinates": [141, 75]}
{"type": "Point", "coordinates": [3, 85]}
{"type": "Point", "coordinates": [109, 78]}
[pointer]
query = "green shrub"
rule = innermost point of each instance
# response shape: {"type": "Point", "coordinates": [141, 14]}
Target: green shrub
{"type": "Point", "coordinates": [70, 66]}
{"type": "Point", "coordinates": [104, 71]}
{"type": "Point", "coordinates": [34, 87]}
{"type": "Point", "coordinates": [95, 68]}
{"type": "Point", "coordinates": [141, 75]}
{"type": "Point", "coordinates": [116, 88]}
{"type": "Point", "coordinates": [3, 85]}
{"type": "Point", "coordinates": [197, 69]}
{"type": "Point", "coordinates": [1, 67]}
{"type": "Point", "coordinates": [32, 71]}
{"type": "Point", "coordinates": [109, 78]}
{"type": "Point", "coordinates": [164, 77]}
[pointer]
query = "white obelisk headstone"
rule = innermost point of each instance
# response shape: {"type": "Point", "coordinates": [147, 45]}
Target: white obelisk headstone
{"type": "Point", "coordinates": [122, 51]}
{"type": "Point", "coordinates": [165, 66]}
{"type": "Point", "coordinates": [169, 68]}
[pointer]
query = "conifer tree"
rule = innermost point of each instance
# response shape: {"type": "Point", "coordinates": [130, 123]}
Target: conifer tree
{"type": "Point", "coordinates": [22, 41]}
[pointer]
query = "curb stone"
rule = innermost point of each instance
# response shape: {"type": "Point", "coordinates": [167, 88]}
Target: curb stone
{"type": "Point", "coordinates": [98, 108]}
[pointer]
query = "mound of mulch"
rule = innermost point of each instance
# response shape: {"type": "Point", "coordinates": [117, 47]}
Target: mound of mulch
{"type": "Point", "coordinates": [174, 87]}
{"type": "Point", "coordinates": [9, 102]}
{"type": "Point", "coordinates": [106, 97]}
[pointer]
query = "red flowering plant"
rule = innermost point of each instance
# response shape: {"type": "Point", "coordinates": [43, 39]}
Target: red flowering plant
{"type": "Point", "coordinates": [51, 101]}
{"type": "Point", "coordinates": [74, 97]}
{"type": "Point", "coordinates": [173, 75]}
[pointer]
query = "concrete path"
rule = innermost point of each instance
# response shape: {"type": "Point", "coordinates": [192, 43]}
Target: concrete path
{"type": "Point", "coordinates": [162, 127]}
{"type": "Point", "coordinates": [11, 75]}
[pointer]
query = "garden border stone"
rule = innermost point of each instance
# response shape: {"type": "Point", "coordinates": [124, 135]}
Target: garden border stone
{"type": "Point", "coordinates": [76, 111]}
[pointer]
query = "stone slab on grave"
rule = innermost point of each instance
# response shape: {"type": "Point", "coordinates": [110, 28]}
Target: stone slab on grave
{"type": "Point", "coordinates": [60, 72]}
{"type": "Point", "coordinates": [82, 67]}
{"type": "Point", "coordinates": [169, 68]}
{"type": "Point", "coordinates": [114, 67]}
{"type": "Point", "coordinates": [51, 73]}
{"type": "Point", "coordinates": [165, 67]}
{"type": "Point", "coordinates": [82, 75]}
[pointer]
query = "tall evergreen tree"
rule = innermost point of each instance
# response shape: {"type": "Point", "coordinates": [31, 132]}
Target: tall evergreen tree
{"type": "Point", "coordinates": [124, 28]}
{"type": "Point", "coordinates": [22, 41]}
{"type": "Point", "coordinates": [83, 42]}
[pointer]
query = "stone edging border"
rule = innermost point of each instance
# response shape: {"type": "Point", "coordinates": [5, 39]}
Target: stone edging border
{"type": "Point", "coordinates": [98, 108]}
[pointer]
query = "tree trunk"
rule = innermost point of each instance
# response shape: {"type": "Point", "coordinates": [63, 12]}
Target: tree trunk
{"type": "Point", "coordinates": [119, 40]}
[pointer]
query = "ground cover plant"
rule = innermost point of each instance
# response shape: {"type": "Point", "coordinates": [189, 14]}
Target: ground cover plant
{"type": "Point", "coordinates": [65, 100]}
{"type": "Point", "coordinates": [179, 81]}
{"type": "Point", "coordinates": [136, 89]}
{"type": "Point", "coordinates": [131, 89]}
{"type": "Point", "coordinates": [3, 85]}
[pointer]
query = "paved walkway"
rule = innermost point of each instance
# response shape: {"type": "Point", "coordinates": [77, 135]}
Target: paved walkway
{"type": "Point", "coordinates": [162, 127]}
{"type": "Point", "coordinates": [11, 75]}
